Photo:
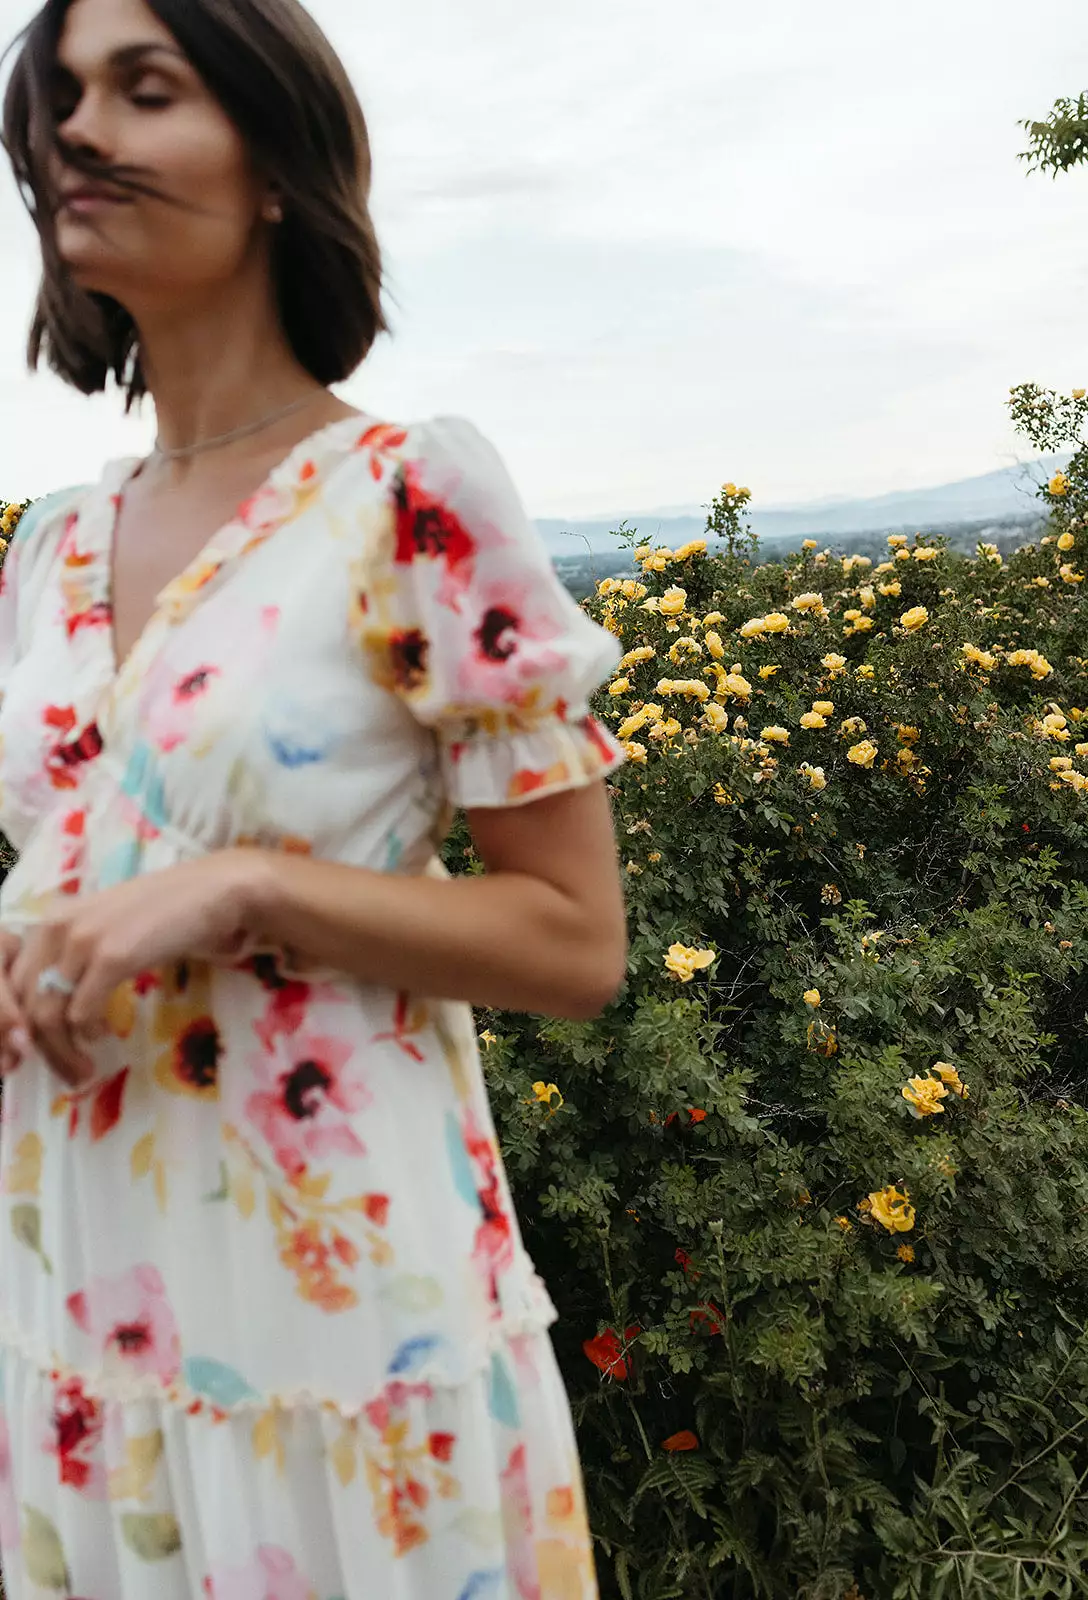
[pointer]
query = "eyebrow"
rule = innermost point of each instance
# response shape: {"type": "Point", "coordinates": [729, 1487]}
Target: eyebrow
{"type": "Point", "coordinates": [130, 55]}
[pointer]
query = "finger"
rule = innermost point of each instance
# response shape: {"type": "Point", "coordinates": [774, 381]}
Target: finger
{"type": "Point", "coordinates": [46, 1008]}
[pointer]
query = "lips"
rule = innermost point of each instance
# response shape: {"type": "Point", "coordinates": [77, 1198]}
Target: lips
{"type": "Point", "coordinates": [91, 197]}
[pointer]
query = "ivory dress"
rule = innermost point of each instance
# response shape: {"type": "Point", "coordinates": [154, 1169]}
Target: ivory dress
{"type": "Point", "coordinates": [268, 1328]}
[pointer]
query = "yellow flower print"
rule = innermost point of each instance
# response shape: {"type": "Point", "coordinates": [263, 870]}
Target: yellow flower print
{"type": "Point", "coordinates": [183, 1020]}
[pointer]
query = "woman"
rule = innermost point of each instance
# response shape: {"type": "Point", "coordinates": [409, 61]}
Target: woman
{"type": "Point", "coordinates": [269, 1331]}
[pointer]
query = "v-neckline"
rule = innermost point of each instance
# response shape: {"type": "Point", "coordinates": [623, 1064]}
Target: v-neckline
{"type": "Point", "coordinates": [295, 477]}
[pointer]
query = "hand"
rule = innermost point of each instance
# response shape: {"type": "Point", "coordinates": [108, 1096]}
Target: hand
{"type": "Point", "coordinates": [14, 1036]}
{"type": "Point", "coordinates": [197, 909]}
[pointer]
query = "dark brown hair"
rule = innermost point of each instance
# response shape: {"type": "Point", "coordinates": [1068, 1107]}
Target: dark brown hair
{"type": "Point", "coordinates": [285, 89]}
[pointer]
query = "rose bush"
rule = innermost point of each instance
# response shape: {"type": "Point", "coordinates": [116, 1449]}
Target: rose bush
{"type": "Point", "coordinates": [812, 1195]}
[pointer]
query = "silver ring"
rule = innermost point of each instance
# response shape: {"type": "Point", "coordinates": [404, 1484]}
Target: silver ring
{"type": "Point", "coordinates": [53, 981]}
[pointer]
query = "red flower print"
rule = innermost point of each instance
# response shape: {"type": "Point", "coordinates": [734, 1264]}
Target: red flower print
{"type": "Point", "coordinates": [426, 528]}
{"type": "Point", "coordinates": [514, 624]}
{"type": "Point", "coordinates": [441, 1445]}
{"type": "Point", "coordinates": [74, 1438]}
{"type": "Point", "coordinates": [130, 1322]}
{"type": "Point", "coordinates": [493, 1251]}
{"type": "Point", "coordinates": [305, 1252]}
{"type": "Point", "coordinates": [608, 1354]}
{"type": "Point", "coordinates": [408, 652]}
{"type": "Point", "coordinates": [381, 439]}
{"type": "Point", "coordinates": [307, 1099]}
{"type": "Point", "coordinates": [67, 756]}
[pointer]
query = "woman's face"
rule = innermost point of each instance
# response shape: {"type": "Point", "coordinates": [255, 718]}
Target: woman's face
{"type": "Point", "coordinates": [127, 98]}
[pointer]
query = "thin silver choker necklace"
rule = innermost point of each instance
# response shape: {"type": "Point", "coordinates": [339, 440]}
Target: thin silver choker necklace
{"type": "Point", "coordinates": [161, 453]}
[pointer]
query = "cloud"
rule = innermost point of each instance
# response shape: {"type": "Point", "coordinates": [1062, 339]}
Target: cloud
{"type": "Point", "coordinates": [647, 248]}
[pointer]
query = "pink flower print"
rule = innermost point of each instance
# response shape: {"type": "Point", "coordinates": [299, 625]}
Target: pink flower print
{"type": "Point", "coordinates": [130, 1321]}
{"type": "Point", "coordinates": [308, 1096]}
{"type": "Point", "coordinates": [271, 1575]}
{"type": "Point", "coordinates": [9, 1505]}
{"type": "Point", "coordinates": [178, 686]}
{"type": "Point", "coordinates": [510, 654]}
{"type": "Point", "coordinates": [517, 1517]}
{"type": "Point", "coordinates": [74, 1437]}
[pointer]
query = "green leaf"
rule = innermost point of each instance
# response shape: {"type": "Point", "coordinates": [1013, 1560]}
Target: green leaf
{"type": "Point", "coordinates": [26, 1225]}
{"type": "Point", "coordinates": [153, 1536]}
{"type": "Point", "coordinates": [43, 1553]}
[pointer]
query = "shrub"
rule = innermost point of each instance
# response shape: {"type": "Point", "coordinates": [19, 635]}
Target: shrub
{"type": "Point", "coordinates": [812, 1195]}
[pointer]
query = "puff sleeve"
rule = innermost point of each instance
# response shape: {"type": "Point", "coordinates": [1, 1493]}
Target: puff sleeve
{"type": "Point", "coordinates": [467, 622]}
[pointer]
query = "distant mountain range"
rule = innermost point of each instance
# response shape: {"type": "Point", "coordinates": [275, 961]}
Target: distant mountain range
{"type": "Point", "coordinates": [1008, 493]}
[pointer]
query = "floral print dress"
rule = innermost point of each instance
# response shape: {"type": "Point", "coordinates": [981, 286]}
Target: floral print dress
{"type": "Point", "coordinates": [268, 1328]}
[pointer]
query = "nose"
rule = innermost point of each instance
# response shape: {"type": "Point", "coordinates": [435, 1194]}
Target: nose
{"type": "Point", "coordinates": [86, 132]}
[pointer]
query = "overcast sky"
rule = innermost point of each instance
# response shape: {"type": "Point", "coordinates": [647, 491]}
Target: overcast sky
{"type": "Point", "coordinates": [650, 247]}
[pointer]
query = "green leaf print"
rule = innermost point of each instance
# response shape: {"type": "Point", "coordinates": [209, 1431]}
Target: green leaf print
{"type": "Point", "coordinates": [152, 1535]}
{"type": "Point", "coordinates": [43, 1553]}
{"type": "Point", "coordinates": [26, 1225]}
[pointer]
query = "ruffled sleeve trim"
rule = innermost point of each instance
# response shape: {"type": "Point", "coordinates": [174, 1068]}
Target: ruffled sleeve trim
{"type": "Point", "coordinates": [492, 762]}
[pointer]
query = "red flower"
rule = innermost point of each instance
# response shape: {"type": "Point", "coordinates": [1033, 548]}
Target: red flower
{"type": "Point", "coordinates": [608, 1354]}
{"type": "Point", "coordinates": [684, 1440]}
{"type": "Point", "coordinates": [694, 1115]}
{"type": "Point", "coordinates": [682, 1259]}
{"type": "Point", "coordinates": [708, 1315]}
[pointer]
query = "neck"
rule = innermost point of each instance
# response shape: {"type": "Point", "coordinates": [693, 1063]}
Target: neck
{"type": "Point", "coordinates": [217, 365]}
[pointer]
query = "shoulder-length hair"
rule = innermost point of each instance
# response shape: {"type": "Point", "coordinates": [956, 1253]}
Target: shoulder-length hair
{"type": "Point", "coordinates": [285, 89]}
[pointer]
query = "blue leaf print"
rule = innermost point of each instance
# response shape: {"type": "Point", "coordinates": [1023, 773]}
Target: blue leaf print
{"type": "Point", "coordinates": [481, 1584]}
{"type": "Point", "coordinates": [218, 1383]}
{"type": "Point", "coordinates": [413, 1353]}
{"type": "Point", "coordinates": [463, 1177]}
{"type": "Point", "coordinates": [297, 739]}
{"type": "Point", "coordinates": [503, 1399]}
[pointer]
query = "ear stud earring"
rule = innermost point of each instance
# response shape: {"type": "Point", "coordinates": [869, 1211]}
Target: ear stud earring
{"type": "Point", "coordinates": [273, 211]}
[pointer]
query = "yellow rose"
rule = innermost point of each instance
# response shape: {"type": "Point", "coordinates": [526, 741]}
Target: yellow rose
{"type": "Point", "coordinates": [897, 540]}
{"type": "Point", "coordinates": [673, 601]}
{"type": "Point", "coordinates": [644, 652]}
{"type": "Point", "coordinates": [915, 618]}
{"type": "Point", "coordinates": [834, 663]}
{"type": "Point", "coordinates": [631, 725]}
{"type": "Point", "coordinates": [769, 671]}
{"type": "Point", "coordinates": [892, 1209]}
{"type": "Point", "coordinates": [620, 686]}
{"type": "Point", "coordinates": [924, 1096]}
{"type": "Point", "coordinates": [815, 776]}
{"type": "Point", "coordinates": [712, 619]}
{"type": "Point", "coordinates": [738, 685]}
{"type": "Point", "coordinates": [894, 590]}
{"type": "Point", "coordinates": [714, 644]}
{"type": "Point", "coordinates": [902, 555]}
{"type": "Point", "coordinates": [813, 719]}
{"type": "Point", "coordinates": [823, 708]}
{"type": "Point", "coordinates": [808, 602]}
{"type": "Point", "coordinates": [812, 997]}
{"type": "Point", "coordinates": [752, 628]}
{"type": "Point", "coordinates": [862, 754]}
{"type": "Point", "coordinates": [715, 718]}
{"type": "Point", "coordinates": [683, 962]}
{"type": "Point", "coordinates": [1059, 485]}
{"type": "Point", "coordinates": [950, 1078]}
{"type": "Point", "coordinates": [776, 622]}
{"type": "Point", "coordinates": [926, 552]}
{"type": "Point", "coordinates": [866, 671]}
{"type": "Point", "coordinates": [1078, 394]}
{"type": "Point", "coordinates": [775, 735]}
{"type": "Point", "coordinates": [636, 752]}
{"type": "Point", "coordinates": [810, 544]}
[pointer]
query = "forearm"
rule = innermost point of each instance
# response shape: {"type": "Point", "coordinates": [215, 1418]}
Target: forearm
{"type": "Point", "coordinates": [506, 939]}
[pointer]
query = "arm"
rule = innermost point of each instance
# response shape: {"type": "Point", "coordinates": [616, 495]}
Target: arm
{"type": "Point", "coordinates": [542, 930]}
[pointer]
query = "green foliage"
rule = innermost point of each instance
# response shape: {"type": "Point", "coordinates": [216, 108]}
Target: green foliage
{"type": "Point", "coordinates": [1060, 141]}
{"type": "Point", "coordinates": [852, 1411]}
